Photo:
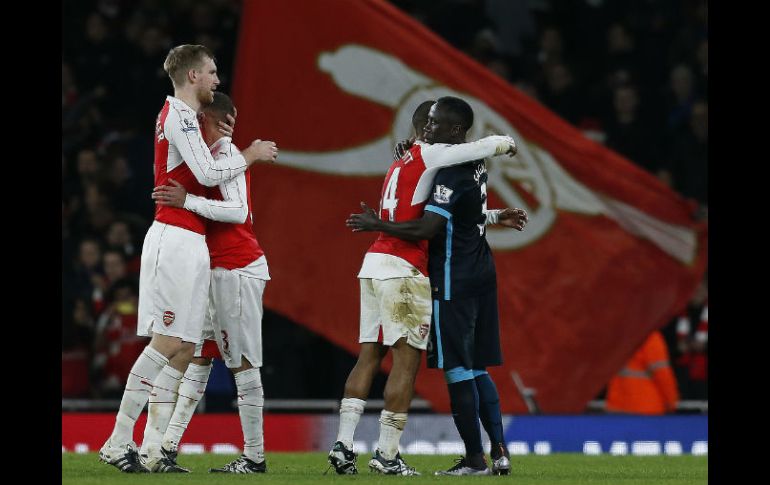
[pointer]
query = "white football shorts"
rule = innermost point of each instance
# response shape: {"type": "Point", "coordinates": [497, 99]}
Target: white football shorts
{"type": "Point", "coordinates": [234, 317]}
{"type": "Point", "coordinates": [173, 283]}
{"type": "Point", "coordinates": [401, 307]}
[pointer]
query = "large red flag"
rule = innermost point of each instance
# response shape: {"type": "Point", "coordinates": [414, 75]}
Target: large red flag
{"type": "Point", "coordinates": [609, 253]}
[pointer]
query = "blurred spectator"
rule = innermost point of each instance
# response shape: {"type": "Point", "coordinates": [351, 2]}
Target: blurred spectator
{"type": "Point", "coordinates": [149, 83]}
{"type": "Point", "coordinates": [691, 33]}
{"type": "Point", "coordinates": [681, 98]}
{"type": "Point", "coordinates": [120, 238]}
{"type": "Point", "coordinates": [114, 266]}
{"type": "Point", "coordinates": [561, 94]}
{"type": "Point", "coordinates": [621, 49]}
{"type": "Point", "coordinates": [692, 345]}
{"type": "Point", "coordinates": [646, 384]}
{"type": "Point", "coordinates": [86, 276]}
{"type": "Point", "coordinates": [551, 46]}
{"type": "Point", "coordinates": [688, 159]}
{"type": "Point", "coordinates": [513, 24]}
{"type": "Point", "coordinates": [628, 133]}
{"type": "Point", "coordinates": [116, 345]}
{"type": "Point", "coordinates": [96, 213]}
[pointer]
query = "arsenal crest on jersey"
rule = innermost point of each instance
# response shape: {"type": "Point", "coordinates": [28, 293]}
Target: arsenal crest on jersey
{"type": "Point", "coordinates": [168, 318]}
{"type": "Point", "coordinates": [424, 329]}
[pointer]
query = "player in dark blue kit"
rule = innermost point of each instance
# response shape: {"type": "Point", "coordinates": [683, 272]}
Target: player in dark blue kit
{"type": "Point", "coordinates": [465, 331]}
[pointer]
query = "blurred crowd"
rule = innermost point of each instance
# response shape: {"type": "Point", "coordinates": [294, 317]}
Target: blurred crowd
{"type": "Point", "coordinates": [630, 74]}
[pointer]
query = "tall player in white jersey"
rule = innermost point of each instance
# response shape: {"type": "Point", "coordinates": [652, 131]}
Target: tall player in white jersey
{"type": "Point", "coordinates": [238, 279]}
{"type": "Point", "coordinates": [174, 274]}
{"type": "Point", "coordinates": [396, 299]}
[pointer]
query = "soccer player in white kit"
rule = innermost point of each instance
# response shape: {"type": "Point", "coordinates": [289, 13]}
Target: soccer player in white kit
{"type": "Point", "coordinates": [174, 274]}
{"type": "Point", "coordinates": [238, 279]}
{"type": "Point", "coordinates": [396, 298]}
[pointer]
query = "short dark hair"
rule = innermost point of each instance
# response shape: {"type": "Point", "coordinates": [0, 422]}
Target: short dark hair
{"type": "Point", "coordinates": [182, 58]}
{"type": "Point", "coordinates": [459, 109]}
{"type": "Point", "coordinates": [420, 116]}
{"type": "Point", "coordinates": [221, 106]}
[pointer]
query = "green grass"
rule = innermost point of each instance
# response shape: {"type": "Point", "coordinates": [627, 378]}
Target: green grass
{"type": "Point", "coordinates": [308, 468]}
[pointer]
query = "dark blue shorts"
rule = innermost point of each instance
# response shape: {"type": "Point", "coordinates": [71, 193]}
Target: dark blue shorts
{"type": "Point", "coordinates": [465, 333]}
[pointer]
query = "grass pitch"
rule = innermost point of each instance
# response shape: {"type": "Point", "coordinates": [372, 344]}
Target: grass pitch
{"type": "Point", "coordinates": [308, 468]}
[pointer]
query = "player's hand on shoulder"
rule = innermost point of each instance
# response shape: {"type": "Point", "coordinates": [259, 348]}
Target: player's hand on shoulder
{"type": "Point", "coordinates": [402, 147]}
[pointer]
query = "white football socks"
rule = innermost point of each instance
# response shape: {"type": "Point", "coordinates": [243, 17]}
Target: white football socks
{"type": "Point", "coordinates": [138, 387]}
{"type": "Point", "coordinates": [160, 408]}
{"type": "Point", "coordinates": [391, 426]}
{"type": "Point", "coordinates": [190, 392]}
{"type": "Point", "coordinates": [251, 400]}
{"type": "Point", "coordinates": [351, 410]}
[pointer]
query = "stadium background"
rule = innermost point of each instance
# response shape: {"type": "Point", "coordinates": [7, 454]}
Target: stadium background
{"type": "Point", "coordinates": [586, 61]}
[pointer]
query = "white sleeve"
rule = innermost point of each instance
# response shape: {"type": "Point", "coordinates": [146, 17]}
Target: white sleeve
{"type": "Point", "coordinates": [184, 133]}
{"type": "Point", "coordinates": [491, 216]}
{"type": "Point", "coordinates": [443, 155]}
{"type": "Point", "coordinates": [235, 206]}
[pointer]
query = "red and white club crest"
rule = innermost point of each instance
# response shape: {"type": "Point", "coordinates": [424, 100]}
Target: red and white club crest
{"type": "Point", "coordinates": [168, 317]}
{"type": "Point", "coordinates": [424, 329]}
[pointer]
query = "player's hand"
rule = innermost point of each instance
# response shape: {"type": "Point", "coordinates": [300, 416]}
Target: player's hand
{"type": "Point", "coordinates": [365, 221]}
{"type": "Point", "coordinates": [227, 128]}
{"type": "Point", "coordinates": [515, 218]}
{"type": "Point", "coordinates": [402, 147]}
{"type": "Point", "coordinates": [171, 195]}
{"type": "Point", "coordinates": [513, 149]}
{"type": "Point", "coordinates": [260, 151]}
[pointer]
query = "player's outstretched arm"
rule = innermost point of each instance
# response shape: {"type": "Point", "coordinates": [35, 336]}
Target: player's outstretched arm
{"type": "Point", "coordinates": [442, 155]}
{"type": "Point", "coordinates": [415, 230]}
{"type": "Point", "coordinates": [513, 218]}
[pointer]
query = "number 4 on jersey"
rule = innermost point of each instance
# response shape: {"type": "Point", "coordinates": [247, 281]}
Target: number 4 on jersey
{"type": "Point", "coordinates": [389, 201]}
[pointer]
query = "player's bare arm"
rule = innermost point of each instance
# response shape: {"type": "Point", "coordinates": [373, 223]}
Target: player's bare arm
{"type": "Point", "coordinates": [414, 230]}
{"type": "Point", "coordinates": [514, 218]}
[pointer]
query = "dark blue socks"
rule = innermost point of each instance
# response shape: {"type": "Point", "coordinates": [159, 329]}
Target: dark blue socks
{"type": "Point", "coordinates": [464, 399]}
{"type": "Point", "coordinates": [489, 408]}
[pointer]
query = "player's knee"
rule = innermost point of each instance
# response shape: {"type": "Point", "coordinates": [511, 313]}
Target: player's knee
{"type": "Point", "coordinates": [168, 346]}
{"type": "Point", "coordinates": [245, 365]}
{"type": "Point", "coordinates": [370, 355]}
{"type": "Point", "coordinates": [406, 357]}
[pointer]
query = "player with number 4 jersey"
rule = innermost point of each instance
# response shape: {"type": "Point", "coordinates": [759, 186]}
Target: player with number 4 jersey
{"type": "Point", "coordinates": [396, 298]}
